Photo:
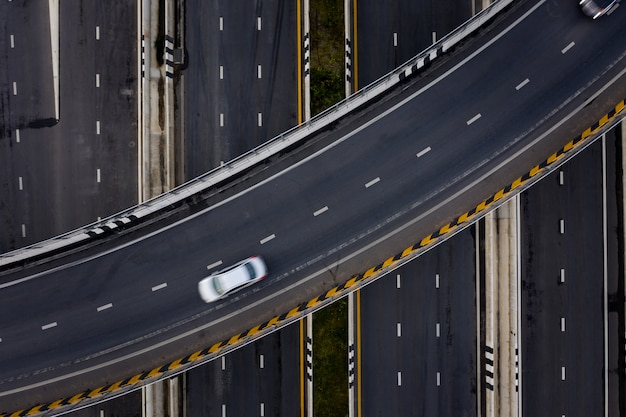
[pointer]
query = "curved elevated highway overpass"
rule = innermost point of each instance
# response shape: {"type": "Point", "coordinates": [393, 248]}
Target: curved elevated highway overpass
{"type": "Point", "coordinates": [359, 191]}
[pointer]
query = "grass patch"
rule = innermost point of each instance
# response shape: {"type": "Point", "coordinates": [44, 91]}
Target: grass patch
{"type": "Point", "coordinates": [327, 49]}
{"type": "Point", "coordinates": [330, 360]}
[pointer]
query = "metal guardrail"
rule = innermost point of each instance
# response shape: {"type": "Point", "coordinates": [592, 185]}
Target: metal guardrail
{"type": "Point", "coordinates": [251, 158]}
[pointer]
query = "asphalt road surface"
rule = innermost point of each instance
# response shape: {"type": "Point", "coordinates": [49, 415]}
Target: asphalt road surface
{"type": "Point", "coordinates": [563, 274]}
{"type": "Point", "coordinates": [55, 177]}
{"type": "Point", "coordinates": [151, 283]}
{"type": "Point", "coordinates": [239, 86]}
{"type": "Point", "coordinates": [419, 332]}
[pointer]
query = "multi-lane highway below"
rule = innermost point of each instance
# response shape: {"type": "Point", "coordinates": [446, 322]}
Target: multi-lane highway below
{"type": "Point", "coordinates": [405, 173]}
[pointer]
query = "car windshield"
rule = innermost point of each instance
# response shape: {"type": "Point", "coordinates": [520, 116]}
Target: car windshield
{"type": "Point", "coordinates": [218, 286]}
{"type": "Point", "coordinates": [251, 271]}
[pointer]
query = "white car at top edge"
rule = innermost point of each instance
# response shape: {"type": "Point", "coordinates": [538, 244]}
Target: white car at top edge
{"type": "Point", "coordinates": [240, 275]}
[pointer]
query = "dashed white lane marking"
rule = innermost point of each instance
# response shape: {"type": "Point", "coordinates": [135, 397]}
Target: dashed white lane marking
{"type": "Point", "coordinates": [562, 373]}
{"type": "Point", "coordinates": [23, 230]}
{"type": "Point", "coordinates": [434, 37]}
{"type": "Point", "coordinates": [20, 183]}
{"type": "Point", "coordinates": [423, 152]}
{"type": "Point", "coordinates": [320, 211]}
{"type": "Point", "coordinates": [260, 119]}
{"type": "Point", "coordinates": [258, 71]}
{"type": "Point", "coordinates": [17, 135]}
{"type": "Point", "coordinates": [159, 287]}
{"type": "Point", "coordinates": [262, 410]}
{"type": "Point", "coordinates": [97, 127]}
{"type": "Point", "coordinates": [398, 281]}
{"type": "Point", "coordinates": [473, 119]}
{"type": "Point", "coordinates": [568, 47]}
{"type": "Point", "coordinates": [98, 175]}
{"type": "Point", "coordinates": [261, 361]}
{"type": "Point", "coordinates": [372, 182]}
{"type": "Point", "coordinates": [221, 72]}
{"type": "Point", "coordinates": [436, 280]}
{"type": "Point", "coordinates": [437, 330]}
{"type": "Point", "coordinates": [221, 119]}
{"type": "Point", "coordinates": [221, 23]}
{"type": "Point", "coordinates": [562, 226]}
{"type": "Point", "coordinates": [104, 307]}
{"type": "Point", "coordinates": [97, 80]}
{"type": "Point", "coordinates": [438, 379]}
{"type": "Point", "coordinates": [562, 275]}
{"type": "Point", "coordinates": [14, 88]}
{"type": "Point", "coordinates": [561, 178]}
{"type": "Point", "coordinates": [395, 38]}
{"type": "Point", "coordinates": [49, 326]}
{"type": "Point", "coordinates": [213, 265]}
{"type": "Point", "coordinates": [399, 329]}
{"type": "Point", "coordinates": [97, 33]}
{"type": "Point", "coordinates": [399, 378]}
{"type": "Point", "coordinates": [562, 324]}
{"type": "Point", "coordinates": [223, 410]}
{"type": "Point", "coordinates": [12, 42]}
{"type": "Point", "coordinates": [522, 84]}
{"type": "Point", "coordinates": [267, 239]}
{"type": "Point", "coordinates": [258, 23]}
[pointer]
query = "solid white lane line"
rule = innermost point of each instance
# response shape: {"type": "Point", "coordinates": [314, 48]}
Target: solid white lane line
{"type": "Point", "coordinates": [14, 88]}
{"type": "Point", "coordinates": [17, 135]}
{"type": "Point", "coordinates": [258, 71]}
{"type": "Point", "coordinates": [159, 287]}
{"type": "Point", "coordinates": [372, 182]}
{"type": "Point", "coordinates": [260, 119]}
{"type": "Point", "coordinates": [568, 47]}
{"type": "Point", "coordinates": [399, 378]}
{"type": "Point", "coordinates": [399, 329]}
{"type": "Point", "coordinates": [23, 230]}
{"type": "Point", "coordinates": [223, 363]}
{"type": "Point", "coordinates": [97, 80]}
{"type": "Point", "coordinates": [20, 183]}
{"type": "Point", "coordinates": [395, 38]}
{"type": "Point", "coordinates": [258, 23]}
{"type": "Point", "coordinates": [261, 361]}
{"type": "Point", "coordinates": [423, 152]}
{"type": "Point", "coordinates": [522, 84]}
{"type": "Point", "coordinates": [214, 264]}
{"type": "Point", "coordinates": [398, 281]}
{"type": "Point", "coordinates": [97, 33]}
{"type": "Point", "coordinates": [562, 226]}
{"type": "Point", "coordinates": [97, 127]}
{"type": "Point", "coordinates": [436, 280]}
{"type": "Point", "coordinates": [221, 72]}
{"type": "Point", "coordinates": [561, 178]}
{"type": "Point", "coordinates": [98, 176]}
{"type": "Point", "coordinates": [473, 119]}
{"type": "Point", "coordinates": [320, 211]}
{"type": "Point", "coordinates": [267, 239]}
{"type": "Point", "coordinates": [562, 324]}
{"type": "Point", "coordinates": [49, 326]}
{"type": "Point", "coordinates": [221, 23]}
{"type": "Point", "coordinates": [562, 275]}
{"type": "Point", "coordinates": [12, 42]}
{"type": "Point", "coordinates": [104, 307]}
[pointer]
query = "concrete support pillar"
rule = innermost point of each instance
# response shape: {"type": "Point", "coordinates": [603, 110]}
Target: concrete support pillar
{"type": "Point", "coordinates": [162, 399]}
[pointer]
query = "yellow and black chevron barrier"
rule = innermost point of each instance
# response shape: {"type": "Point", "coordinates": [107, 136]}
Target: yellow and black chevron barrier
{"type": "Point", "coordinates": [342, 289]}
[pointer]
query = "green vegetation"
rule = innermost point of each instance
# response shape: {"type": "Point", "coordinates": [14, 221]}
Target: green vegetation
{"type": "Point", "coordinates": [330, 360]}
{"type": "Point", "coordinates": [327, 49]}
